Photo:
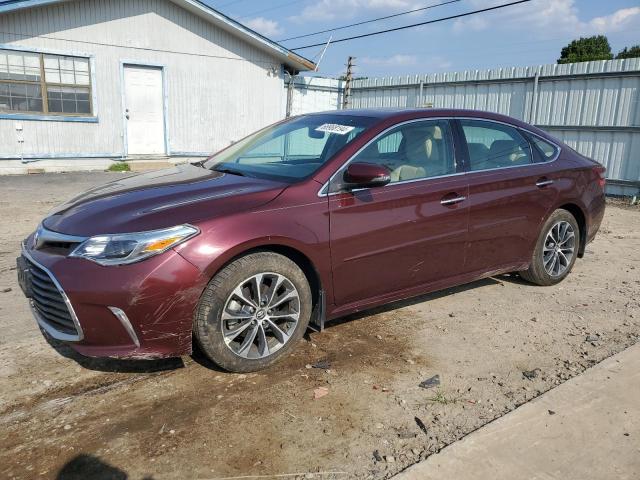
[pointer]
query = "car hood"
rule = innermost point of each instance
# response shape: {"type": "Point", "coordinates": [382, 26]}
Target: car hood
{"type": "Point", "coordinates": [159, 199]}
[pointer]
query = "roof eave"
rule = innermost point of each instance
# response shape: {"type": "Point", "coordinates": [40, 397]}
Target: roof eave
{"type": "Point", "coordinates": [290, 59]}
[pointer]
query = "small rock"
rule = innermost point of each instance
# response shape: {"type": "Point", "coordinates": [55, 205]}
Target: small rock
{"type": "Point", "coordinates": [308, 366]}
{"type": "Point", "coordinates": [531, 374]}
{"type": "Point", "coordinates": [320, 392]}
{"type": "Point", "coordinates": [378, 337]}
{"type": "Point", "coordinates": [377, 456]}
{"type": "Point", "coordinates": [421, 425]}
{"type": "Point", "coordinates": [379, 426]}
{"type": "Point", "coordinates": [430, 382]}
{"type": "Point", "coordinates": [592, 338]}
{"type": "Point", "coordinates": [551, 412]}
{"type": "Point", "coordinates": [452, 315]}
{"type": "Point", "coordinates": [172, 432]}
{"type": "Point", "coordinates": [390, 459]}
{"type": "Point", "coordinates": [322, 364]}
{"type": "Point", "coordinates": [67, 427]}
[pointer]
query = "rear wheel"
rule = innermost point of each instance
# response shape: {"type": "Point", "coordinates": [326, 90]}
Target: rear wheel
{"type": "Point", "coordinates": [253, 312]}
{"type": "Point", "coordinates": [556, 250]}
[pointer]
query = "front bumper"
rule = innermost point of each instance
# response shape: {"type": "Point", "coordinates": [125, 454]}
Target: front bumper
{"type": "Point", "coordinates": [141, 310]}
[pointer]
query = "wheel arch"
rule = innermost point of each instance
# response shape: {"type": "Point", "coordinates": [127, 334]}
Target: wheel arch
{"type": "Point", "coordinates": [577, 212]}
{"type": "Point", "coordinates": [303, 261]}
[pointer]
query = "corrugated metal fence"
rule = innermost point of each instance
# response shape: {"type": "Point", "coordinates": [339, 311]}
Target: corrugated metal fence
{"type": "Point", "coordinates": [594, 107]}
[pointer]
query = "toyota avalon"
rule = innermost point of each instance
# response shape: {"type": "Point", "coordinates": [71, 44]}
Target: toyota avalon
{"type": "Point", "coordinates": [309, 219]}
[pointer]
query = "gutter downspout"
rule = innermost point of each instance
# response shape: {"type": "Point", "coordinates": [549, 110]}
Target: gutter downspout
{"type": "Point", "coordinates": [533, 110]}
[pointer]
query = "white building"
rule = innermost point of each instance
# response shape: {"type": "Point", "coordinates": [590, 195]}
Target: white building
{"type": "Point", "coordinates": [85, 82]}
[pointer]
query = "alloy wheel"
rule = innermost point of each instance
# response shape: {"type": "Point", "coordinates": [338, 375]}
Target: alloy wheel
{"type": "Point", "coordinates": [559, 248]}
{"type": "Point", "coordinates": [260, 315]}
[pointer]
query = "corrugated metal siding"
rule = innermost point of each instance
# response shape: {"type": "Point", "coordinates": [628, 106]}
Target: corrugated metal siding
{"type": "Point", "coordinates": [220, 91]}
{"type": "Point", "coordinates": [593, 106]}
{"type": "Point", "coordinates": [315, 95]}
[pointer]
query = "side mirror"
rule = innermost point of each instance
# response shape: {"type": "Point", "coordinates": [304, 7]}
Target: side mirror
{"type": "Point", "coordinates": [364, 175]}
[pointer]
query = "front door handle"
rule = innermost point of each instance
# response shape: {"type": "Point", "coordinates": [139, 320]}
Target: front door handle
{"type": "Point", "coordinates": [543, 182]}
{"type": "Point", "coordinates": [447, 200]}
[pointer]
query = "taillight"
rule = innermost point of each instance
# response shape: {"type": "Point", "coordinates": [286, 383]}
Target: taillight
{"type": "Point", "coordinates": [602, 178]}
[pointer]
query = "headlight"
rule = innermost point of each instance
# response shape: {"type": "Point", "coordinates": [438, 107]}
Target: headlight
{"type": "Point", "coordinates": [126, 248]}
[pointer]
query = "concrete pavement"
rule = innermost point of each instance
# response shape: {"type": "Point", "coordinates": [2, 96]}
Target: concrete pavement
{"type": "Point", "coordinates": [585, 429]}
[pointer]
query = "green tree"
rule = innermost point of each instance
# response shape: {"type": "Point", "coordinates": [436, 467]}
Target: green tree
{"type": "Point", "coordinates": [586, 50]}
{"type": "Point", "coordinates": [631, 52]}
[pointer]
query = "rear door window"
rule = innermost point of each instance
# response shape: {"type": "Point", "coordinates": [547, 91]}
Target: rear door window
{"type": "Point", "coordinates": [494, 145]}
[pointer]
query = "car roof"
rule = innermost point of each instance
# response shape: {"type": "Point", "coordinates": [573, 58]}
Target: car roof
{"type": "Point", "coordinates": [387, 113]}
{"type": "Point", "coordinates": [401, 114]}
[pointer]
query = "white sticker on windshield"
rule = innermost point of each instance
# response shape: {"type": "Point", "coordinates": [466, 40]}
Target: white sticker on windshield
{"type": "Point", "coordinates": [335, 128]}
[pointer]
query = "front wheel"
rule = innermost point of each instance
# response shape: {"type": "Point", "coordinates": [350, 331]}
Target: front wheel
{"type": "Point", "coordinates": [556, 250]}
{"type": "Point", "coordinates": [253, 312]}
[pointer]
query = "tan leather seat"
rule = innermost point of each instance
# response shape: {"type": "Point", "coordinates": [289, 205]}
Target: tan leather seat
{"type": "Point", "coordinates": [423, 153]}
{"type": "Point", "coordinates": [407, 172]}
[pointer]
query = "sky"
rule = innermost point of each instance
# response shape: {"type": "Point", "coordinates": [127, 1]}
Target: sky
{"type": "Point", "coordinates": [531, 33]}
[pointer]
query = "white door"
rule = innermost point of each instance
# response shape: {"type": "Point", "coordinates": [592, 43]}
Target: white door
{"type": "Point", "coordinates": [144, 112]}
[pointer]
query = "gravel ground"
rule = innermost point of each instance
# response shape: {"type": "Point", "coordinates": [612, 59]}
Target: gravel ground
{"type": "Point", "coordinates": [494, 344]}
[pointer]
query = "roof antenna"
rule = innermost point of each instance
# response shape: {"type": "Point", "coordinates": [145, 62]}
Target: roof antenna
{"type": "Point", "coordinates": [324, 50]}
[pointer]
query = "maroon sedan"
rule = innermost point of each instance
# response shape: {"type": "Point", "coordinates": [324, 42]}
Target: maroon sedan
{"type": "Point", "coordinates": [312, 218]}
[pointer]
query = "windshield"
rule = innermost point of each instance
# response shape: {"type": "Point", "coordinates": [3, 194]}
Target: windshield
{"type": "Point", "coordinates": [291, 150]}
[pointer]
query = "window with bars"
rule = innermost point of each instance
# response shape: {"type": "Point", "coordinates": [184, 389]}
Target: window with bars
{"type": "Point", "coordinates": [43, 83]}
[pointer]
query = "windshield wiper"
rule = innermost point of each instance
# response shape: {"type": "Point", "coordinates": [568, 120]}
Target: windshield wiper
{"type": "Point", "coordinates": [230, 170]}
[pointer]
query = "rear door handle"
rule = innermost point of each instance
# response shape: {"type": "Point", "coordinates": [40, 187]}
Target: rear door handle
{"type": "Point", "coordinates": [452, 200]}
{"type": "Point", "coordinates": [543, 182]}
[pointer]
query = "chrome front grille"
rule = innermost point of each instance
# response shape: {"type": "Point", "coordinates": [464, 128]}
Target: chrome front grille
{"type": "Point", "coordinates": [50, 305]}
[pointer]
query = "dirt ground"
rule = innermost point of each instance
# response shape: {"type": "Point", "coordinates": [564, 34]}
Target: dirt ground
{"type": "Point", "coordinates": [495, 344]}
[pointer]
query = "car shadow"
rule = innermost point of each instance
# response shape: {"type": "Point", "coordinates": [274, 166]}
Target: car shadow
{"type": "Point", "coordinates": [169, 364]}
{"type": "Point", "coordinates": [415, 300]}
{"type": "Point", "coordinates": [84, 466]}
{"type": "Point", "coordinates": [114, 365]}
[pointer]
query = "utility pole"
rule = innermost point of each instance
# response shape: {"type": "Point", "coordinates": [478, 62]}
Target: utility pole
{"type": "Point", "coordinates": [290, 86]}
{"type": "Point", "coordinates": [347, 84]}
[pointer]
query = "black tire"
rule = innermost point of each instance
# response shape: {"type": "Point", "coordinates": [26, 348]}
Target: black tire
{"type": "Point", "coordinates": [537, 273]}
{"type": "Point", "coordinates": [208, 324]}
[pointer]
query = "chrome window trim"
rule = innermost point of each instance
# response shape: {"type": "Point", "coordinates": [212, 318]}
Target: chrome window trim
{"type": "Point", "coordinates": [65, 337]}
{"type": "Point", "coordinates": [322, 193]}
{"type": "Point", "coordinates": [126, 323]}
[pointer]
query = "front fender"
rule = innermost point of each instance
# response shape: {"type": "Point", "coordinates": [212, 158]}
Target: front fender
{"type": "Point", "coordinates": [303, 227]}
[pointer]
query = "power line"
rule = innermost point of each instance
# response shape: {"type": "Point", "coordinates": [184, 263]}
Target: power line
{"type": "Point", "coordinates": [380, 32]}
{"type": "Point", "coordinates": [275, 7]}
{"type": "Point", "coordinates": [371, 21]}
{"type": "Point", "coordinates": [148, 49]}
{"type": "Point", "coordinates": [229, 3]}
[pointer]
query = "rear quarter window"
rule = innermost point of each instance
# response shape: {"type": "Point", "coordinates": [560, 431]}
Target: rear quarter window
{"type": "Point", "coordinates": [546, 151]}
